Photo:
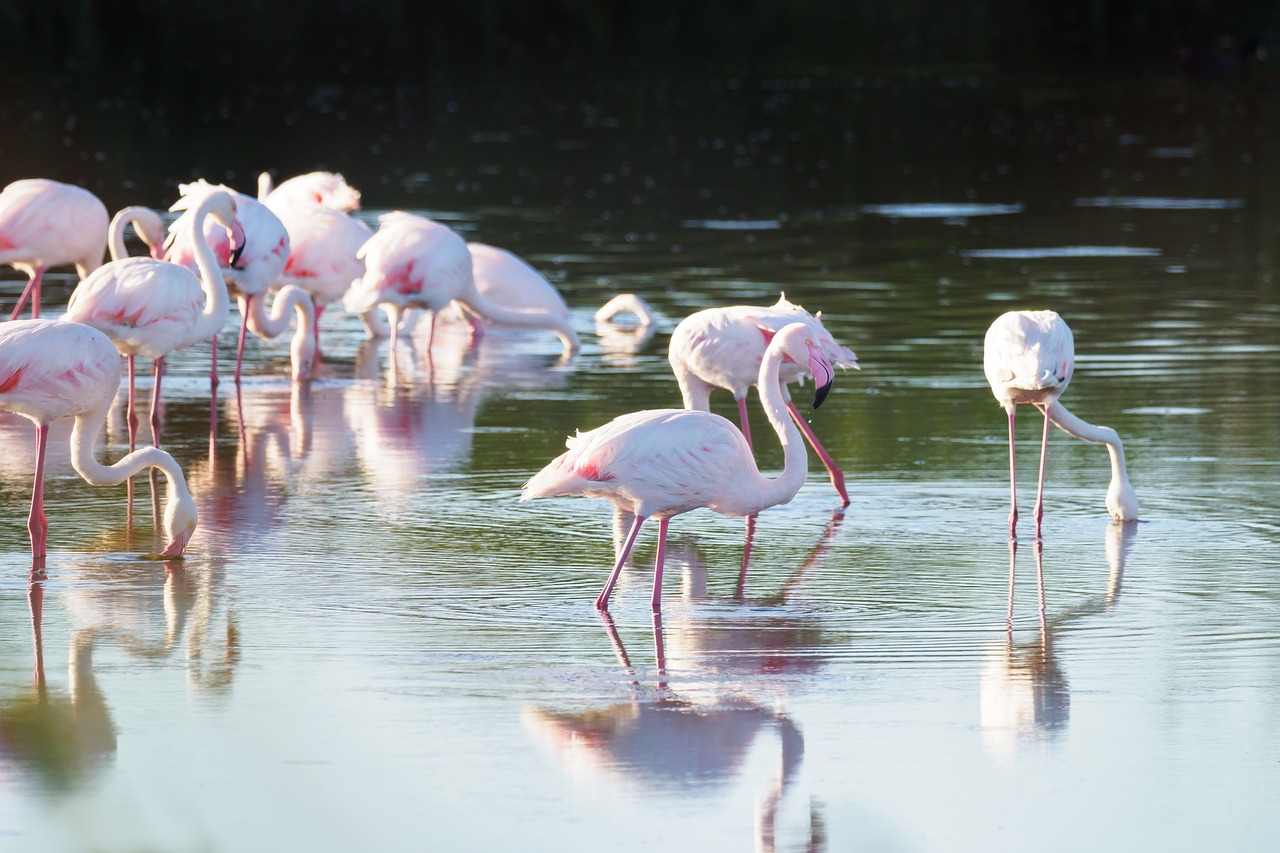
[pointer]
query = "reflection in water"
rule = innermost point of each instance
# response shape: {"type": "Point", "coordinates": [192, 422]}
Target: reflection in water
{"type": "Point", "coordinates": [670, 743]}
{"type": "Point", "coordinates": [1023, 691]}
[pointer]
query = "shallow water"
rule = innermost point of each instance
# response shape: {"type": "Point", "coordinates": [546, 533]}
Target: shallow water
{"type": "Point", "coordinates": [373, 644]}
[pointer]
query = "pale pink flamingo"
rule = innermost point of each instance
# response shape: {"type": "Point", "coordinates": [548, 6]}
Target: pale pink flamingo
{"type": "Point", "coordinates": [146, 223]}
{"type": "Point", "coordinates": [722, 348]}
{"type": "Point", "coordinates": [53, 369]}
{"type": "Point", "coordinates": [151, 308]}
{"type": "Point", "coordinates": [620, 339]}
{"type": "Point", "coordinates": [328, 189]}
{"type": "Point", "coordinates": [302, 348]}
{"type": "Point", "coordinates": [249, 274]}
{"type": "Point", "coordinates": [323, 248]}
{"type": "Point", "coordinates": [1029, 357]}
{"type": "Point", "coordinates": [662, 462]}
{"type": "Point", "coordinates": [414, 262]}
{"type": "Point", "coordinates": [46, 224]}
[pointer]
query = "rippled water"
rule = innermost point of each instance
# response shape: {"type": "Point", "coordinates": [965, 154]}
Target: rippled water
{"type": "Point", "coordinates": [374, 645]}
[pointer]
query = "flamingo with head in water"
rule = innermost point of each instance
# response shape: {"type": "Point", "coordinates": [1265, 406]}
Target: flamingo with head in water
{"type": "Point", "coordinates": [723, 347]}
{"type": "Point", "coordinates": [54, 369]}
{"type": "Point", "coordinates": [1029, 357]}
{"type": "Point", "coordinates": [46, 224]}
{"type": "Point", "coordinates": [662, 462]}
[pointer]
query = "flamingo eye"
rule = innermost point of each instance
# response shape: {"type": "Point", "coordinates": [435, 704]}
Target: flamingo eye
{"type": "Point", "coordinates": [808, 342]}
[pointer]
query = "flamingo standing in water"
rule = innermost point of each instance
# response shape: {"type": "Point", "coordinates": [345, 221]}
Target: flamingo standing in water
{"type": "Point", "coordinates": [45, 224]}
{"type": "Point", "coordinates": [328, 189]}
{"type": "Point", "coordinates": [146, 223]}
{"type": "Point", "coordinates": [662, 462]}
{"type": "Point", "coordinates": [259, 265]}
{"type": "Point", "coordinates": [414, 262]}
{"type": "Point", "coordinates": [1029, 357]}
{"type": "Point", "coordinates": [723, 347]}
{"type": "Point", "coordinates": [53, 369]}
{"type": "Point", "coordinates": [151, 308]}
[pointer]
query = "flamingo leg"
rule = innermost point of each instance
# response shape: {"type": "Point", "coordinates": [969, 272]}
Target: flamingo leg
{"type": "Point", "coordinates": [746, 556]}
{"type": "Point", "coordinates": [31, 290]}
{"type": "Point", "coordinates": [658, 563]}
{"type": "Point", "coordinates": [213, 364]}
{"type": "Point", "coordinates": [659, 650]}
{"type": "Point", "coordinates": [132, 414]}
{"type": "Point", "coordinates": [837, 476]}
{"type": "Point", "coordinates": [602, 601]}
{"type": "Point", "coordinates": [37, 524]}
{"type": "Point", "coordinates": [431, 329]}
{"type": "Point", "coordinates": [157, 367]}
{"type": "Point", "coordinates": [244, 328]}
{"type": "Point", "coordinates": [1044, 449]}
{"type": "Point", "coordinates": [742, 416]}
{"type": "Point", "coordinates": [1013, 482]}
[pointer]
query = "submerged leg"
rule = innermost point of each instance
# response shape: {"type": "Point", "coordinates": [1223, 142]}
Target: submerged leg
{"type": "Point", "coordinates": [1013, 481]}
{"type": "Point", "coordinates": [37, 524]}
{"type": "Point", "coordinates": [837, 476]}
{"type": "Point", "coordinates": [657, 565]}
{"type": "Point", "coordinates": [31, 290]}
{"type": "Point", "coordinates": [602, 601]}
{"type": "Point", "coordinates": [742, 416]}
{"type": "Point", "coordinates": [1044, 449]}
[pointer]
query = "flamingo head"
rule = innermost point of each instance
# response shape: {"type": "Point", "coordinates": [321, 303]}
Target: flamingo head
{"type": "Point", "coordinates": [180, 522]}
{"type": "Point", "coordinates": [799, 344]}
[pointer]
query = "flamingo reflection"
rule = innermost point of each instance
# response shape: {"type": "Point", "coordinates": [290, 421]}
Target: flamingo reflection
{"type": "Point", "coordinates": [1023, 690]}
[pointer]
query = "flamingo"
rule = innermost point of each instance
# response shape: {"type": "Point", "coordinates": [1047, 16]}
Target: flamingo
{"type": "Point", "coordinates": [302, 349]}
{"type": "Point", "coordinates": [722, 348]}
{"type": "Point", "coordinates": [323, 248]}
{"type": "Point", "coordinates": [414, 262]}
{"type": "Point", "coordinates": [151, 308]}
{"type": "Point", "coordinates": [53, 369]}
{"type": "Point", "coordinates": [1029, 357]}
{"type": "Point", "coordinates": [148, 225]}
{"type": "Point", "coordinates": [248, 275]}
{"type": "Point", "coordinates": [46, 224]}
{"type": "Point", "coordinates": [328, 189]}
{"type": "Point", "coordinates": [662, 462]}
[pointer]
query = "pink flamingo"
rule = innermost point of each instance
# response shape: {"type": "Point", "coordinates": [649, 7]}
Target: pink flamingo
{"type": "Point", "coordinates": [662, 462]}
{"type": "Point", "coordinates": [45, 224]}
{"type": "Point", "coordinates": [414, 262]}
{"type": "Point", "coordinates": [722, 348]}
{"type": "Point", "coordinates": [53, 369]}
{"type": "Point", "coordinates": [248, 275]}
{"type": "Point", "coordinates": [1029, 357]}
{"type": "Point", "coordinates": [151, 308]}
{"type": "Point", "coordinates": [148, 225]}
{"type": "Point", "coordinates": [328, 189]}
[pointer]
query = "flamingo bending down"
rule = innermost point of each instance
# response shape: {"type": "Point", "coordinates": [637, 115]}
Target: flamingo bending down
{"type": "Point", "coordinates": [253, 270]}
{"type": "Point", "coordinates": [722, 348]}
{"type": "Point", "coordinates": [1029, 357]}
{"type": "Point", "coordinates": [46, 224]}
{"type": "Point", "coordinates": [627, 303]}
{"type": "Point", "coordinates": [151, 308]}
{"type": "Point", "coordinates": [414, 262]}
{"type": "Point", "coordinates": [662, 462]}
{"type": "Point", "coordinates": [302, 349]}
{"type": "Point", "coordinates": [148, 225]}
{"type": "Point", "coordinates": [53, 369]}
{"type": "Point", "coordinates": [328, 189]}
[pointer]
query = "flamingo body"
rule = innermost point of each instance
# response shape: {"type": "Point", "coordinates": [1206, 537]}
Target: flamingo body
{"type": "Point", "coordinates": [328, 189]}
{"type": "Point", "coordinates": [323, 249]}
{"type": "Point", "coordinates": [262, 257]}
{"type": "Point", "coordinates": [509, 280]}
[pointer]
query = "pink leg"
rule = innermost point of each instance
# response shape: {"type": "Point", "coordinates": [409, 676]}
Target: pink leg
{"type": "Point", "coordinates": [157, 371]}
{"type": "Point", "coordinates": [742, 416]}
{"type": "Point", "coordinates": [746, 556]}
{"type": "Point", "coordinates": [37, 524]}
{"type": "Point", "coordinates": [244, 328]}
{"type": "Point", "coordinates": [395, 331]}
{"type": "Point", "coordinates": [431, 328]}
{"type": "Point", "coordinates": [213, 364]}
{"type": "Point", "coordinates": [659, 652]}
{"type": "Point", "coordinates": [1013, 571]}
{"type": "Point", "coordinates": [1044, 447]}
{"type": "Point", "coordinates": [1013, 483]}
{"type": "Point", "coordinates": [837, 476]}
{"type": "Point", "coordinates": [132, 413]}
{"type": "Point", "coordinates": [602, 601]}
{"type": "Point", "coordinates": [658, 563]}
{"type": "Point", "coordinates": [32, 288]}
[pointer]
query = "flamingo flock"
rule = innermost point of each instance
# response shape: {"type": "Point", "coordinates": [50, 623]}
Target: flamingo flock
{"type": "Point", "coordinates": [298, 247]}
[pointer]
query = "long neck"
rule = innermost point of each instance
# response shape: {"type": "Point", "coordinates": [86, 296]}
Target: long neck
{"type": "Point", "coordinates": [217, 304]}
{"type": "Point", "coordinates": [115, 235]}
{"type": "Point", "coordinates": [1073, 426]}
{"type": "Point", "coordinates": [477, 302]}
{"type": "Point", "coordinates": [272, 325]}
{"type": "Point", "coordinates": [84, 438]}
{"type": "Point", "coordinates": [795, 460]}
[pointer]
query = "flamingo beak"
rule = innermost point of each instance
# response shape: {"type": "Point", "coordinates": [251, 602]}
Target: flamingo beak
{"type": "Point", "coordinates": [237, 243]}
{"type": "Point", "coordinates": [823, 376]}
{"type": "Point", "coordinates": [179, 544]}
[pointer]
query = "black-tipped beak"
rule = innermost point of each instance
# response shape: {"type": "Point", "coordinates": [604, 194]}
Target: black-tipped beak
{"type": "Point", "coordinates": [821, 392]}
{"type": "Point", "coordinates": [823, 376]}
{"type": "Point", "coordinates": [235, 255]}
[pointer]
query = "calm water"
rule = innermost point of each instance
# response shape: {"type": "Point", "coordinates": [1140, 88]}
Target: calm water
{"type": "Point", "coordinates": [373, 645]}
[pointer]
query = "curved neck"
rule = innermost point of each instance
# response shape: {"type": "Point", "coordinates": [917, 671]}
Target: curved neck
{"type": "Point", "coordinates": [1073, 426]}
{"type": "Point", "coordinates": [795, 459]}
{"type": "Point", "coordinates": [302, 348]}
{"type": "Point", "coordinates": [496, 313]}
{"type": "Point", "coordinates": [217, 304]}
{"type": "Point", "coordinates": [623, 303]}
{"type": "Point", "coordinates": [115, 233]}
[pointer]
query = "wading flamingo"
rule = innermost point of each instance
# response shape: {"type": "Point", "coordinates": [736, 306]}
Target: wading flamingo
{"type": "Point", "coordinates": [662, 462]}
{"type": "Point", "coordinates": [151, 308]}
{"type": "Point", "coordinates": [302, 349]}
{"type": "Point", "coordinates": [146, 223]}
{"type": "Point", "coordinates": [722, 348]}
{"type": "Point", "coordinates": [53, 369]}
{"type": "Point", "coordinates": [328, 189]}
{"type": "Point", "coordinates": [253, 271]}
{"type": "Point", "coordinates": [46, 224]}
{"type": "Point", "coordinates": [1029, 357]}
{"type": "Point", "coordinates": [414, 262]}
